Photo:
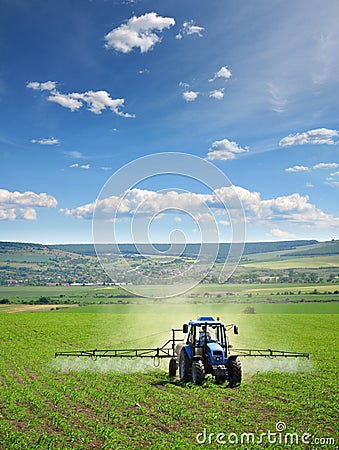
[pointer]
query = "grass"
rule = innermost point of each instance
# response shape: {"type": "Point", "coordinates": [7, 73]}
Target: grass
{"type": "Point", "coordinates": [61, 404]}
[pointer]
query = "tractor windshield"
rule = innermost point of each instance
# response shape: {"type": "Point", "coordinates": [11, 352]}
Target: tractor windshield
{"type": "Point", "coordinates": [213, 333]}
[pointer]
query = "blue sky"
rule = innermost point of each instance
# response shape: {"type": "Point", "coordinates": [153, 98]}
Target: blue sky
{"type": "Point", "coordinates": [89, 86]}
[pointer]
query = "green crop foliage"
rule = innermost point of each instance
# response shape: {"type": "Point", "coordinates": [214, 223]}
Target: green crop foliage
{"type": "Point", "coordinates": [48, 403]}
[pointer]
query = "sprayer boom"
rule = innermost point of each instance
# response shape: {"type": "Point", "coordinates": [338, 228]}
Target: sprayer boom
{"type": "Point", "coordinates": [269, 353]}
{"type": "Point", "coordinates": [130, 353]}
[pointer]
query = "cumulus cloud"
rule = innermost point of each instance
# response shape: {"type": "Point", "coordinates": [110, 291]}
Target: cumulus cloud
{"type": "Point", "coordinates": [326, 166]}
{"type": "Point", "coordinates": [293, 209]}
{"type": "Point", "coordinates": [224, 72]}
{"type": "Point", "coordinates": [46, 86]}
{"type": "Point", "coordinates": [97, 101]}
{"type": "Point", "coordinates": [21, 205]}
{"type": "Point", "coordinates": [49, 141]}
{"type": "Point", "coordinates": [190, 96]}
{"type": "Point", "coordinates": [65, 100]}
{"type": "Point", "coordinates": [297, 169]}
{"type": "Point", "coordinates": [276, 232]}
{"type": "Point", "coordinates": [218, 94]}
{"type": "Point", "coordinates": [138, 32]}
{"type": "Point", "coordinates": [224, 150]}
{"type": "Point", "coordinates": [188, 29]}
{"type": "Point", "coordinates": [317, 136]}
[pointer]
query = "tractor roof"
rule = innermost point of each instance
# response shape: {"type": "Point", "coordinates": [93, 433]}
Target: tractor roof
{"type": "Point", "coordinates": [205, 319]}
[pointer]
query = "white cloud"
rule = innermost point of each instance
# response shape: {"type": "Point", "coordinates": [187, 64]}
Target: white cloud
{"type": "Point", "coordinates": [106, 168]}
{"type": "Point", "coordinates": [49, 141]}
{"type": "Point", "coordinates": [65, 100]}
{"type": "Point", "coordinates": [218, 94]}
{"type": "Point", "coordinates": [224, 223]}
{"type": "Point", "coordinates": [184, 85]}
{"type": "Point", "coordinates": [334, 174]}
{"type": "Point", "coordinates": [80, 166]}
{"type": "Point", "coordinates": [276, 232]}
{"type": "Point", "coordinates": [293, 209]}
{"type": "Point", "coordinates": [46, 86]}
{"type": "Point", "coordinates": [297, 169]}
{"type": "Point", "coordinates": [188, 29]}
{"type": "Point", "coordinates": [21, 205]}
{"type": "Point", "coordinates": [97, 101]}
{"type": "Point", "coordinates": [224, 150]}
{"type": "Point", "coordinates": [334, 183]}
{"type": "Point", "coordinates": [309, 185]}
{"type": "Point", "coordinates": [224, 72]}
{"type": "Point", "coordinates": [326, 166]}
{"type": "Point", "coordinates": [139, 32]}
{"type": "Point", "coordinates": [317, 136]}
{"type": "Point", "coordinates": [190, 96]}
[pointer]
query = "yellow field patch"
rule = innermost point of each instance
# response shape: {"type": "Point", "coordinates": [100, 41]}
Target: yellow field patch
{"type": "Point", "coordinates": [31, 308]}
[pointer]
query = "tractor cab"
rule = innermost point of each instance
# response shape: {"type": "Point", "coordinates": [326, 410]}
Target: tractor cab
{"type": "Point", "coordinates": [205, 350]}
{"type": "Point", "coordinates": [205, 331]}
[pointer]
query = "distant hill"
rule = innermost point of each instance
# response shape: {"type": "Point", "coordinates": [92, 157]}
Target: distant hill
{"type": "Point", "coordinates": [190, 250]}
{"type": "Point", "coordinates": [319, 249]}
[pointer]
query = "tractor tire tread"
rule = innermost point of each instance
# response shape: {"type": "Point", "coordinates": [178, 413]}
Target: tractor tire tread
{"type": "Point", "coordinates": [234, 373]}
{"type": "Point", "coordinates": [185, 370]}
{"type": "Point", "coordinates": [198, 371]}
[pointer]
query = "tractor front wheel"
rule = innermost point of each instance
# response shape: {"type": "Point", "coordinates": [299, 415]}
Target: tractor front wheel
{"type": "Point", "coordinates": [234, 372]}
{"type": "Point", "coordinates": [198, 371]}
{"type": "Point", "coordinates": [184, 366]}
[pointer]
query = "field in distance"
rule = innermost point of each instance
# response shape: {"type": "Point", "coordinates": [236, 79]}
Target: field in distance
{"type": "Point", "coordinates": [291, 261]}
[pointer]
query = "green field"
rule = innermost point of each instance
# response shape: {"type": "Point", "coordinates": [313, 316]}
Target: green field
{"type": "Point", "coordinates": [49, 403]}
{"type": "Point", "coordinates": [205, 293]}
{"type": "Point", "coordinates": [296, 262]}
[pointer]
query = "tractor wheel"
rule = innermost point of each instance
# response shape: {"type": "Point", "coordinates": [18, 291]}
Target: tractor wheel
{"type": "Point", "coordinates": [198, 371]}
{"type": "Point", "coordinates": [173, 365]}
{"type": "Point", "coordinates": [184, 366]}
{"type": "Point", "coordinates": [234, 372]}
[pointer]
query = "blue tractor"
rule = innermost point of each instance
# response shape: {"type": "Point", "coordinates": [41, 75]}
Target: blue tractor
{"type": "Point", "coordinates": [205, 350]}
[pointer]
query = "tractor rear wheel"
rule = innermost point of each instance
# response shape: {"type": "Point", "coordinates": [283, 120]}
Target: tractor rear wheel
{"type": "Point", "coordinates": [184, 366]}
{"type": "Point", "coordinates": [234, 372]}
{"type": "Point", "coordinates": [173, 365]}
{"type": "Point", "coordinates": [198, 371]}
